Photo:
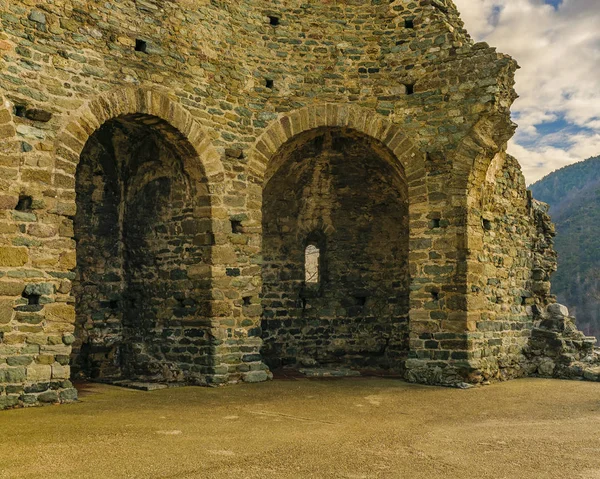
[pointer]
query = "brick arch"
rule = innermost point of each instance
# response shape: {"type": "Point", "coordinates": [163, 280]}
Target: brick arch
{"type": "Point", "coordinates": [202, 165]}
{"type": "Point", "coordinates": [362, 120]}
{"type": "Point", "coordinates": [144, 102]}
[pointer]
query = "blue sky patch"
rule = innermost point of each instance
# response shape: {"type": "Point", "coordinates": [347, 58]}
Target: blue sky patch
{"type": "Point", "coordinates": [554, 3]}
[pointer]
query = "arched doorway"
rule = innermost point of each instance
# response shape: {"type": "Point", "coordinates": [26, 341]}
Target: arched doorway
{"type": "Point", "coordinates": [143, 231]}
{"type": "Point", "coordinates": [335, 253]}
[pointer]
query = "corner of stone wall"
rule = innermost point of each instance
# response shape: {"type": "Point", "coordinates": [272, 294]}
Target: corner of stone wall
{"type": "Point", "coordinates": [442, 373]}
{"type": "Point", "coordinates": [556, 349]}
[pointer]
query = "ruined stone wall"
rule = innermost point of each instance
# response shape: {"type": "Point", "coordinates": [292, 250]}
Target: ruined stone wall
{"type": "Point", "coordinates": [136, 241]}
{"type": "Point", "coordinates": [336, 193]}
{"type": "Point", "coordinates": [238, 80]}
{"type": "Point", "coordinates": [503, 299]}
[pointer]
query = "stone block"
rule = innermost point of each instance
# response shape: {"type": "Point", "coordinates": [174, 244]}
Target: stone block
{"type": "Point", "coordinates": [48, 397]}
{"type": "Point", "coordinates": [39, 373]}
{"type": "Point", "coordinates": [10, 256]}
{"type": "Point", "coordinates": [60, 313]}
{"type": "Point", "coordinates": [6, 310]}
{"type": "Point", "coordinates": [60, 372]}
{"type": "Point", "coordinates": [15, 374]}
{"type": "Point", "coordinates": [69, 394]}
{"type": "Point", "coordinates": [255, 376]}
{"type": "Point", "coordinates": [558, 310]}
{"type": "Point", "coordinates": [11, 288]}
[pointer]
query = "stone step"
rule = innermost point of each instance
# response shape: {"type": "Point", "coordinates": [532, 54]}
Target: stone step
{"type": "Point", "coordinates": [329, 372]}
{"type": "Point", "coordinates": [140, 386]}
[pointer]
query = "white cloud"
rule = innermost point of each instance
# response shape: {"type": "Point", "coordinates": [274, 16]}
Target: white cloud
{"type": "Point", "coordinates": [559, 54]}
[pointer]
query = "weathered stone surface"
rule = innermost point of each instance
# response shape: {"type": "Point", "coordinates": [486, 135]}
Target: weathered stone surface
{"type": "Point", "coordinates": [160, 192]}
{"type": "Point", "coordinates": [255, 376]}
{"type": "Point", "coordinates": [39, 372]}
{"type": "Point", "coordinates": [13, 256]}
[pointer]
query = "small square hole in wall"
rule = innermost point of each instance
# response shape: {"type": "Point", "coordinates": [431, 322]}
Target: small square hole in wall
{"type": "Point", "coordinates": [435, 223]}
{"type": "Point", "coordinates": [435, 295]}
{"type": "Point", "coordinates": [141, 46]}
{"type": "Point", "coordinates": [273, 21]}
{"type": "Point", "coordinates": [361, 300]}
{"type": "Point", "coordinates": [32, 299]}
{"type": "Point", "coordinates": [269, 84]}
{"type": "Point", "coordinates": [20, 110]}
{"type": "Point", "coordinates": [247, 300]}
{"type": "Point", "coordinates": [410, 88]}
{"type": "Point", "coordinates": [24, 203]}
{"type": "Point", "coordinates": [487, 224]}
{"type": "Point", "coordinates": [236, 227]}
{"type": "Point", "coordinates": [409, 23]}
{"type": "Point", "coordinates": [523, 300]}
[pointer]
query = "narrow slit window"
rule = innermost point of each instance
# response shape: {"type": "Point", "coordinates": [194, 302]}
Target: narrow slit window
{"type": "Point", "coordinates": [312, 256]}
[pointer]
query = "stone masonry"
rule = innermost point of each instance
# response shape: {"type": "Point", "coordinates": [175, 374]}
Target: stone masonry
{"type": "Point", "coordinates": [167, 167]}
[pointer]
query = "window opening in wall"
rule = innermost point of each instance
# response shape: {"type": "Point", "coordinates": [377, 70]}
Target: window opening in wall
{"type": "Point", "coordinates": [410, 88]}
{"type": "Point", "coordinates": [247, 300]}
{"type": "Point", "coordinates": [141, 46]}
{"type": "Point", "coordinates": [24, 203]}
{"type": "Point", "coordinates": [274, 21]}
{"type": "Point", "coordinates": [269, 83]}
{"type": "Point", "coordinates": [487, 224]}
{"type": "Point", "coordinates": [409, 23]}
{"type": "Point", "coordinates": [361, 300]}
{"type": "Point", "coordinates": [312, 256]}
{"type": "Point", "coordinates": [436, 223]}
{"type": "Point", "coordinates": [435, 295]}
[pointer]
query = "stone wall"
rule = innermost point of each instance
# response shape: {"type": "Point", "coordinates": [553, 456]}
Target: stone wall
{"type": "Point", "coordinates": [337, 193]}
{"type": "Point", "coordinates": [503, 295]}
{"type": "Point", "coordinates": [205, 96]}
{"type": "Point", "coordinates": [140, 311]}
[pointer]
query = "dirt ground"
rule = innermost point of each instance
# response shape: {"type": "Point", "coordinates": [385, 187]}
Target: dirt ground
{"type": "Point", "coordinates": [345, 428]}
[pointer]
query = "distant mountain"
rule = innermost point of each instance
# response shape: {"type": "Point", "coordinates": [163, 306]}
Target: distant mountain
{"type": "Point", "coordinates": [573, 193]}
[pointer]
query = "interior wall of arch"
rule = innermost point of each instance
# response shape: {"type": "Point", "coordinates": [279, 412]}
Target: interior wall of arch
{"type": "Point", "coordinates": [139, 313]}
{"type": "Point", "coordinates": [335, 190]}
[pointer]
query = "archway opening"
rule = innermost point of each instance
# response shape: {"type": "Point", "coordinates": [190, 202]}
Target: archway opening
{"type": "Point", "coordinates": [143, 235]}
{"type": "Point", "coordinates": [335, 253]}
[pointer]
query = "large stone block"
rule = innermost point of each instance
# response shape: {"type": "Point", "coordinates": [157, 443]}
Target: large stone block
{"type": "Point", "coordinates": [39, 373]}
{"type": "Point", "coordinates": [60, 313]}
{"type": "Point", "coordinates": [13, 256]}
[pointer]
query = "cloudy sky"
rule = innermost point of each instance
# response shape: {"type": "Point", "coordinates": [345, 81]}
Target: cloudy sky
{"type": "Point", "coordinates": [557, 45]}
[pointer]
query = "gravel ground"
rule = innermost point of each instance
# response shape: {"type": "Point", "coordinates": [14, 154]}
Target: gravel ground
{"type": "Point", "coordinates": [343, 428]}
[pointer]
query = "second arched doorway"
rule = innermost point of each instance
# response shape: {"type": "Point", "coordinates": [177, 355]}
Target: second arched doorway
{"type": "Point", "coordinates": [335, 253]}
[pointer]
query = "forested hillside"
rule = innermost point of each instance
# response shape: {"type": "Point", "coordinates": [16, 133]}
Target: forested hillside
{"type": "Point", "coordinates": [573, 194]}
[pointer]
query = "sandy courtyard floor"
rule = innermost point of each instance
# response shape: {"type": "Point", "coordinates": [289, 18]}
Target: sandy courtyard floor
{"type": "Point", "coordinates": [347, 428]}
